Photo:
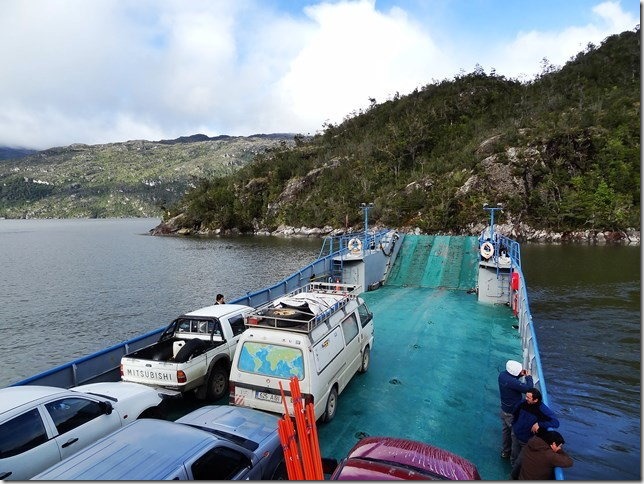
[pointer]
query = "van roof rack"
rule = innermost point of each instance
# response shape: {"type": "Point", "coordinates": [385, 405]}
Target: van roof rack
{"type": "Point", "coordinates": [305, 308]}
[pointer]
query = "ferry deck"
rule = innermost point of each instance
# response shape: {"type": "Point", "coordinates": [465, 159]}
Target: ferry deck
{"type": "Point", "coordinates": [434, 365]}
{"type": "Point", "coordinates": [435, 362]}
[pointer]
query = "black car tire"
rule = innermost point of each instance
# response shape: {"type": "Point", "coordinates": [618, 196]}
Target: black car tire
{"type": "Point", "coordinates": [217, 383]}
{"type": "Point", "coordinates": [331, 405]}
{"type": "Point", "coordinates": [193, 347]}
{"type": "Point", "coordinates": [366, 358]}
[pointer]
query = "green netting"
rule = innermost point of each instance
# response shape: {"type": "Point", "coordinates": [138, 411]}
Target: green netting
{"type": "Point", "coordinates": [435, 261]}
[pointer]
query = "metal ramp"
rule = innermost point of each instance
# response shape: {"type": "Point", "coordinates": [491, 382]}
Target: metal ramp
{"type": "Point", "coordinates": [435, 261]}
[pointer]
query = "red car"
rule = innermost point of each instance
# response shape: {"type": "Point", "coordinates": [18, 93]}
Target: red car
{"type": "Point", "coordinates": [388, 458]}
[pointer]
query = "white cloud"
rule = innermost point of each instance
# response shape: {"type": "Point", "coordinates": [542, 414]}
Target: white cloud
{"type": "Point", "coordinates": [112, 70]}
{"type": "Point", "coordinates": [524, 55]}
{"type": "Point", "coordinates": [616, 20]}
{"type": "Point", "coordinates": [354, 52]}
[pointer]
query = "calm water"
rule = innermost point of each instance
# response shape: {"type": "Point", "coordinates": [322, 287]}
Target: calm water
{"type": "Point", "coordinates": [585, 303]}
{"type": "Point", "coordinates": [71, 287]}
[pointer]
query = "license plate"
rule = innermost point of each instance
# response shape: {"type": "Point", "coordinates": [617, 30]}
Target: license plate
{"type": "Point", "coordinates": [269, 397]}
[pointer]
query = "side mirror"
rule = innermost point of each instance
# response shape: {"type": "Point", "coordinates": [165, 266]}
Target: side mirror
{"type": "Point", "coordinates": [106, 407]}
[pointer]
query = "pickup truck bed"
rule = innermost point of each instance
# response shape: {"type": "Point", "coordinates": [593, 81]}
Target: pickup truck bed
{"type": "Point", "coordinates": [193, 353]}
{"type": "Point", "coordinates": [163, 350]}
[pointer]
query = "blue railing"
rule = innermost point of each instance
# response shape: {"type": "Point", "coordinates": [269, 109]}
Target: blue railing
{"type": "Point", "coordinates": [319, 269]}
{"type": "Point", "coordinates": [339, 244]}
{"type": "Point", "coordinates": [531, 358]}
{"type": "Point", "coordinates": [503, 244]}
{"type": "Point", "coordinates": [100, 366]}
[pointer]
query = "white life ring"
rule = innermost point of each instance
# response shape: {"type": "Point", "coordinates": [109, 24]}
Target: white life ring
{"type": "Point", "coordinates": [487, 250]}
{"type": "Point", "coordinates": [355, 246]}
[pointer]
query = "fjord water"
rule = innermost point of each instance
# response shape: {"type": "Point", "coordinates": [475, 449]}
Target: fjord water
{"type": "Point", "coordinates": [586, 307]}
{"type": "Point", "coordinates": [72, 287]}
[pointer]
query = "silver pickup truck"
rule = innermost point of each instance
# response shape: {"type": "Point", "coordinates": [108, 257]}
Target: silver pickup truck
{"type": "Point", "coordinates": [193, 353]}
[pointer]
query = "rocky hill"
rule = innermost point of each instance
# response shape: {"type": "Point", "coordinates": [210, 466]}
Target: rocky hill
{"type": "Point", "coordinates": [562, 153]}
{"type": "Point", "coordinates": [130, 179]}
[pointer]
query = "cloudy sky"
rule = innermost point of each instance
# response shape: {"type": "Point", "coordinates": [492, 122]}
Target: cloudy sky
{"type": "Point", "coordinates": [98, 71]}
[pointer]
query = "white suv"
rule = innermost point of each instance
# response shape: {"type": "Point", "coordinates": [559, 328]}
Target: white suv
{"type": "Point", "coordinates": [41, 425]}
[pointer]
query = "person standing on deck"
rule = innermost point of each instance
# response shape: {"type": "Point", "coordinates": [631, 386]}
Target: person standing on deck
{"type": "Point", "coordinates": [511, 389]}
{"type": "Point", "coordinates": [541, 455]}
{"type": "Point", "coordinates": [220, 299]}
{"type": "Point", "coordinates": [529, 416]}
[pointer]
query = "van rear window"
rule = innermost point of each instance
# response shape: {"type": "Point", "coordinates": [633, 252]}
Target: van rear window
{"type": "Point", "coordinates": [271, 360]}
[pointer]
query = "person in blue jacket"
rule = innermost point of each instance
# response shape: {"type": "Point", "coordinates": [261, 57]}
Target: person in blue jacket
{"type": "Point", "coordinates": [511, 389]}
{"type": "Point", "coordinates": [529, 416]}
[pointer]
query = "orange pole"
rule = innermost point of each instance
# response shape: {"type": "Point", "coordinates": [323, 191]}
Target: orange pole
{"type": "Point", "coordinates": [303, 439]}
{"type": "Point", "coordinates": [292, 443]}
{"type": "Point", "coordinates": [309, 471]}
{"type": "Point", "coordinates": [288, 458]}
{"type": "Point", "coordinates": [283, 399]}
{"type": "Point", "coordinates": [315, 445]}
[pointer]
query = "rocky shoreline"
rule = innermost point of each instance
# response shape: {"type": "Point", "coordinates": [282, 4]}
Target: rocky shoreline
{"type": "Point", "coordinates": [520, 231]}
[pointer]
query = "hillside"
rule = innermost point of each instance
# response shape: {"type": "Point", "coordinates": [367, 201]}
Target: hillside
{"type": "Point", "coordinates": [561, 152]}
{"type": "Point", "coordinates": [130, 179]}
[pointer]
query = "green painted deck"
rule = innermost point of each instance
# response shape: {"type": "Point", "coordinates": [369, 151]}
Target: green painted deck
{"type": "Point", "coordinates": [436, 358]}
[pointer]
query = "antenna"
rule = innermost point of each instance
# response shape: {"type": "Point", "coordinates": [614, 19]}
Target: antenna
{"type": "Point", "coordinates": [499, 206]}
{"type": "Point", "coordinates": [365, 208]}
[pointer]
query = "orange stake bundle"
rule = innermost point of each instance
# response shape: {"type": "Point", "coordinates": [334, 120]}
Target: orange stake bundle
{"type": "Point", "coordinates": [286, 433]}
{"type": "Point", "coordinates": [306, 429]}
{"type": "Point", "coordinates": [301, 450]}
{"type": "Point", "coordinates": [302, 434]}
{"type": "Point", "coordinates": [288, 457]}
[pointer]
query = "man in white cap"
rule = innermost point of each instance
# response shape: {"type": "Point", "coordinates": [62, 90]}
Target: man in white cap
{"type": "Point", "coordinates": [511, 389]}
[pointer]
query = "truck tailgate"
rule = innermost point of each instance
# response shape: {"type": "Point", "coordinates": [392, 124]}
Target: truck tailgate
{"type": "Point", "coordinates": [149, 372]}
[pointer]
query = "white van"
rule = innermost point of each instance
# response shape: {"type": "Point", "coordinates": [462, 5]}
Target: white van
{"type": "Point", "coordinates": [322, 334]}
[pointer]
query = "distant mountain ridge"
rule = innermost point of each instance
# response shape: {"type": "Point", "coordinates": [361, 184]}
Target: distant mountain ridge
{"type": "Point", "coordinates": [136, 178]}
{"type": "Point", "coordinates": [8, 153]}
{"type": "Point", "coordinates": [224, 137]}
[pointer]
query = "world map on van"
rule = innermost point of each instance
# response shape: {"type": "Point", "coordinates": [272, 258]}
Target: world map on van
{"type": "Point", "coordinates": [271, 360]}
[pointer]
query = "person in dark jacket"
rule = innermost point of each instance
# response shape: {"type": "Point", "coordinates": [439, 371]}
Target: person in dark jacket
{"type": "Point", "coordinates": [511, 390]}
{"type": "Point", "coordinates": [541, 455]}
{"type": "Point", "coordinates": [220, 299]}
{"type": "Point", "coordinates": [529, 416]}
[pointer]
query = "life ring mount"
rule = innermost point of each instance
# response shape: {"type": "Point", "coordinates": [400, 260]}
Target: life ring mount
{"type": "Point", "coordinates": [487, 250]}
{"type": "Point", "coordinates": [355, 246]}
